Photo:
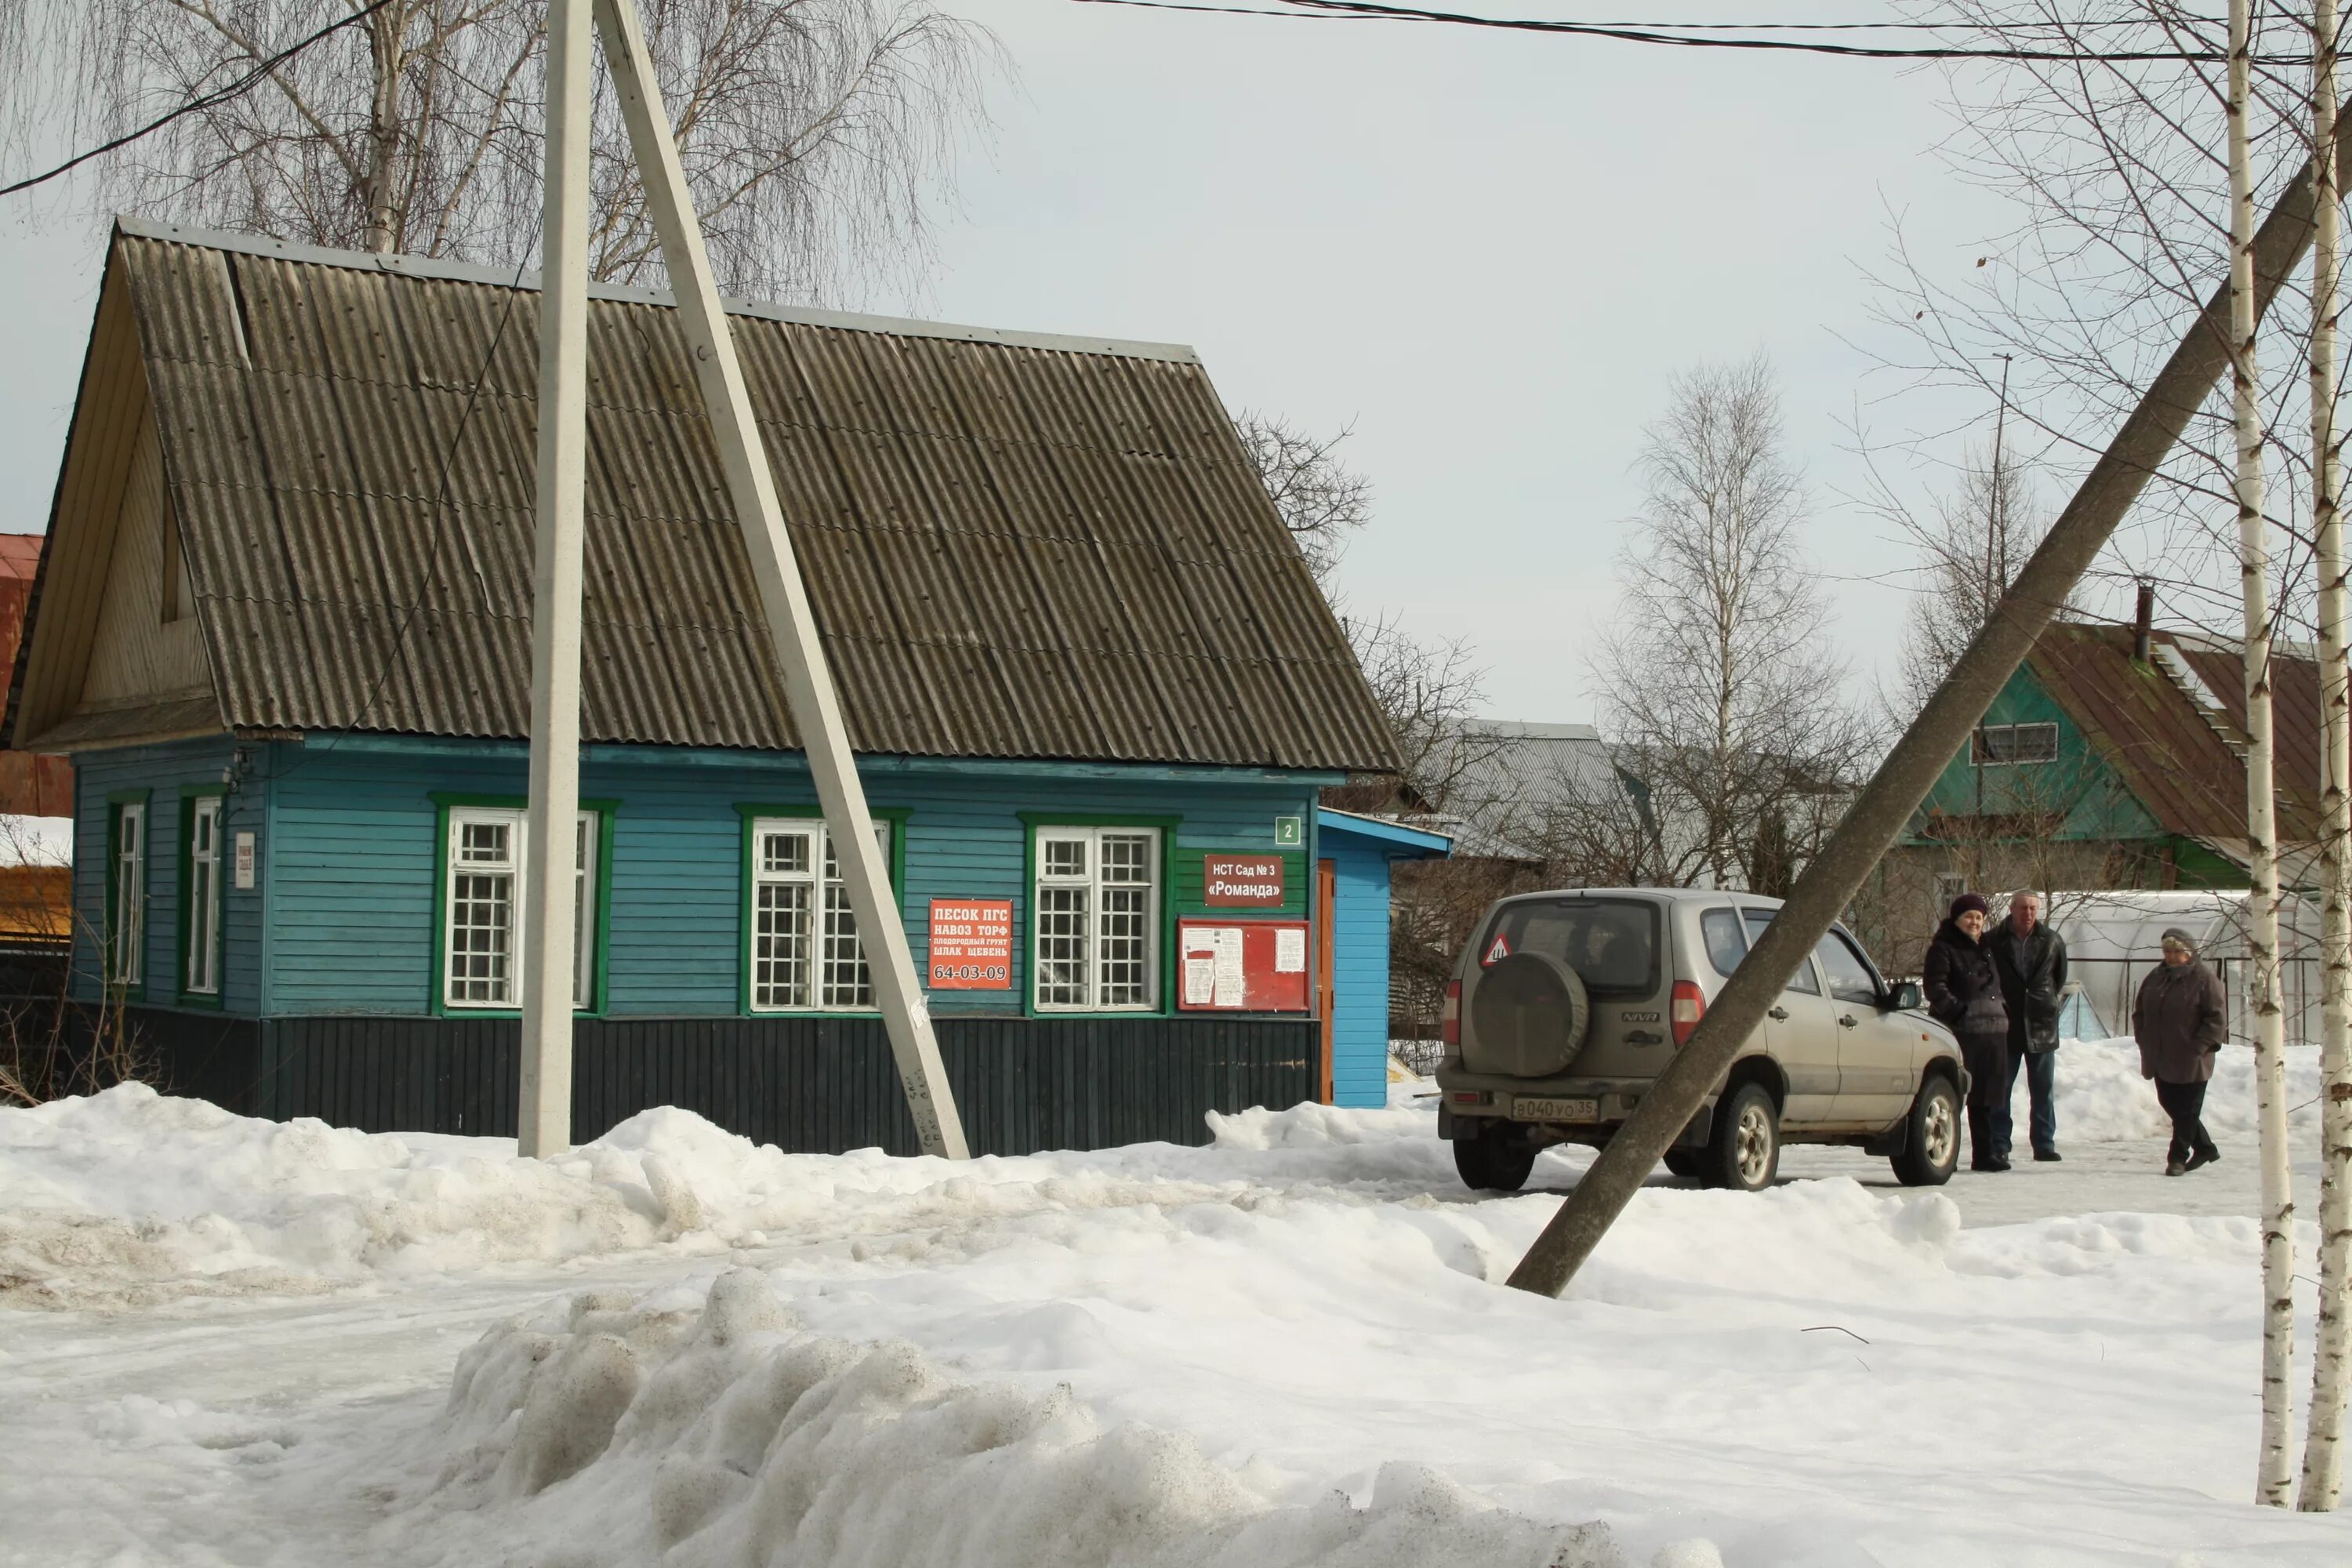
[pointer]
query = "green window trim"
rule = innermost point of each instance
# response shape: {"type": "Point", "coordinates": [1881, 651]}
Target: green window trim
{"type": "Point", "coordinates": [135, 985]}
{"type": "Point", "coordinates": [190, 794]}
{"type": "Point", "coordinates": [1167, 827]}
{"type": "Point", "coordinates": [750, 813]}
{"type": "Point", "coordinates": [600, 962]}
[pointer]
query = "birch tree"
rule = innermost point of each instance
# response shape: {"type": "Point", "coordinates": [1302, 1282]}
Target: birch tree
{"type": "Point", "coordinates": [2275, 1468]}
{"type": "Point", "coordinates": [817, 135]}
{"type": "Point", "coordinates": [2323, 1460]}
{"type": "Point", "coordinates": [1715, 687]}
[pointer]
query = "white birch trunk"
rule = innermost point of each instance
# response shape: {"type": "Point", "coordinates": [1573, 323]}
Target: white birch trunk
{"type": "Point", "coordinates": [2274, 1481]}
{"type": "Point", "coordinates": [2323, 1455]}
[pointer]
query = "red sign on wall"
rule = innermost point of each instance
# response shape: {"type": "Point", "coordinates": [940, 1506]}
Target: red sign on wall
{"type": "Point", "coordinates": [1241, 882]}
{"type": "Point", "coordinates": [972, 945]}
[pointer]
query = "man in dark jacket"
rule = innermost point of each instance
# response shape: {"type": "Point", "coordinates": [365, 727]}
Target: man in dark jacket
{"type": "Point", "coordinates": [1964, 990]}
{"type": "Point", "coordinates": [2031, 960]}
{"type": "Point", "coordinates": [2180, 1018]}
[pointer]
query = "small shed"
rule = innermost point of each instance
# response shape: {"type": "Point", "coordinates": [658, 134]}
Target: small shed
{"type": "Point", "coordinates": [1357, 854]}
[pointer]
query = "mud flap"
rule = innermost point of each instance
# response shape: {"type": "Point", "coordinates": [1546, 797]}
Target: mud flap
{"type": "Point", "coordinates": [1701, 1125]}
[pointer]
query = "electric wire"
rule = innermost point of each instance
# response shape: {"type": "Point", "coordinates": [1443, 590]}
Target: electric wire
{"type": "Point", "coordinates": [1666, 35]}
{"type": "Point", "coordinates": [237, 89]}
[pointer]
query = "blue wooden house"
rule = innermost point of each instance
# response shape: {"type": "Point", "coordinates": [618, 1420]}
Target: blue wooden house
{"type": "Point", "coordinates": [282, 624]}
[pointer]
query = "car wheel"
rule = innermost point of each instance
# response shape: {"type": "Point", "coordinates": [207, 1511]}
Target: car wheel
{"type": "Point", "coordinates": [1932, 1151]}
{"type": "Point", "coordinates": [1690, 1165]}
{"type": "Point", "coordinates": [1494, 1161]}
{"type": "Point", "coordinates": [1744, 1152]}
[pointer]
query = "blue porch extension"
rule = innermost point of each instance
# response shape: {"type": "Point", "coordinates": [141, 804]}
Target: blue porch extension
{"type": "Point", "coordinates": [1362, 851]}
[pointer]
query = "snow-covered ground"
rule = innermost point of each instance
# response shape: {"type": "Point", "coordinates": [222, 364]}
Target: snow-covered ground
{"type": "Point", "coordinates": [240, 1342]}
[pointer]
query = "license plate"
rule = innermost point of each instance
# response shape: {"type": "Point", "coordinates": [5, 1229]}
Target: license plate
{"type": "Point", "coordinates": [1528, 1108]}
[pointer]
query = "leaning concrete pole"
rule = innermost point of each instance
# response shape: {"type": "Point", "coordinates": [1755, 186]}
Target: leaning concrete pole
{"type": "Point", "coordinates": [544, 1106]}
{"type": "Point", "coordinates": [808, 683]}
{"type": "Point", "coordinates": [1902, 782]}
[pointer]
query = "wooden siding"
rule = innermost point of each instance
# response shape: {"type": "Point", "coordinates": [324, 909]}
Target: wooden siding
{"type": "Point", "coordinates": [807, 1085]}
{"type": "Point", "coordinates": [353, 856]}
{"type": "Point", "coordinates": [137, 657]}
{"type": "Point", "coordinates": [163, 772]}
{"type": "Point", "coordinates": [1360, 973]}
{"type": "Point", "coordinates": [2088, 796]}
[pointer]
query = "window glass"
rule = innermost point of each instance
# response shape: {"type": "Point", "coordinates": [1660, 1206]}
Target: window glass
{"type": "Point", "coordinates": [481, 966]}
{"type": "Point", "coordinates": [1850, 978]}
{"type": "Point", "coordinates": [805, 955]}
{"type": "Point", "coordinates": [1612, 943]}
{"type": "Point", "coordinates": [1726, 943]}
{"type": "Point", "coordinates": [1803, 978]}
{"type": "Point", "coordinates": [127, 894]}
{"type": "Point", "coordinates": [1998, 745]}
{"type": "Point", "coordinates": [1095, 919]}
{"type": "Point", "coordinates": [201, 965]}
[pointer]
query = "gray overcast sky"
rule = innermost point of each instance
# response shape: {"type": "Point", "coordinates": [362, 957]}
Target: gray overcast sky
{"type": "Point", "coordinates": [1487, 251]}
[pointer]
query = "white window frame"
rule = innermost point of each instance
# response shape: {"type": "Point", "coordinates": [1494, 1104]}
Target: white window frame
{"type": "Point", "coordinates": [1981, 744]}
{"type": "Point", "coordinates": [835, 975]}
{"type": "Point", "coordinates": [126, 943]}
{"type": "Point", "coordinates": [202, 939]}
{"type": "Point", "coordinates": [1082, 891]}
{"type": "Point", "coordinates": [507, 995]}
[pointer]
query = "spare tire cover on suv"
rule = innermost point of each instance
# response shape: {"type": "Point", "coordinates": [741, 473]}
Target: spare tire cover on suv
{"type": "Point", "coordinates": [1528, 1017]}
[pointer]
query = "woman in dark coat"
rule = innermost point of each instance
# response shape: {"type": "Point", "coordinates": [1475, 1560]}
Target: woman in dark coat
{"type": "Point", "coordinates": [1964, 992]}
{"type": "Point", "coordinates": [2181, 1017]}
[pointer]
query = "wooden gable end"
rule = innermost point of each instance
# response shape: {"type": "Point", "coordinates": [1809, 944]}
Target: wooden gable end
{"type": "Point", "coordinates": [113, 652]}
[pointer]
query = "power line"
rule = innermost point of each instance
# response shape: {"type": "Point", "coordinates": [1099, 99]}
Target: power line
{"type": "Point", "coordinates": [236, 88]}
{"type": "Point", "coordinates": [1668, 35]}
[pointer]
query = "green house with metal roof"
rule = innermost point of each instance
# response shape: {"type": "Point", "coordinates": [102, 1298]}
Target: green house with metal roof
{"type": "Point", "coordinates": [282, 623]}
{"type": "Point", "coordinates": [2114, 757]}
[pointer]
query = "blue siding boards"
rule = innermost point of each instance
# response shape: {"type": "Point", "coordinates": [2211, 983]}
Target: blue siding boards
{"type": "Point", "coordinates": [1362, 851]}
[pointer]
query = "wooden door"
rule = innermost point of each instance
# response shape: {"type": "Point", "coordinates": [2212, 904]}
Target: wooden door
{"type": "Point", "coordinates": [1326, 890]}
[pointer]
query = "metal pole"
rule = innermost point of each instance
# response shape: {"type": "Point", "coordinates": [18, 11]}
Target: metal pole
{"type": "Point", "coordinates": [1902, 782]}
{"type": "Point", "coordinates": [546, 914]}
{"type": "Point", "coordinates": [808, 683]}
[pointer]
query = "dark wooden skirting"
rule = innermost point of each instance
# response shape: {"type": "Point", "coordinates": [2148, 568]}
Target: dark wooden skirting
{"type": "Point", "coordinates": [816, 1085]}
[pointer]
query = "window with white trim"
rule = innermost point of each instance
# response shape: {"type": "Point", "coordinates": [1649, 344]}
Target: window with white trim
{"type": "Point", "coordinates": [1094, 920]}
{"type": "Point", "coordinates": [127, 895]}
{"type": "Point", "coordinates": [483, 900]}
{"type": "Point", "coordinates": [2005, 745]}
{"type": "Point", "coordinates": [803, 950]}
{"type": "Point", "coordinates": [201, 962]}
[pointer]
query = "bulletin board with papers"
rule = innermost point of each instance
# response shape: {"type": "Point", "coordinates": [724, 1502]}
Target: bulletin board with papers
{"type": "Point", "coordinates": [1241, 966]}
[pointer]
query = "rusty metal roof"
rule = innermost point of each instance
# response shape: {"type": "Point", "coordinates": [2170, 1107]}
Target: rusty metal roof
{"type": "Point", "coordinates": [1015, 545]}
{"type": "Point", "coordinates": [2178, 761]}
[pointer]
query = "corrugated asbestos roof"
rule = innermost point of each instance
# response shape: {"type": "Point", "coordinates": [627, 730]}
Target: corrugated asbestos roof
{"type": "Point", "coordinates": [2171, 757]}
{"type": "Point", "coordinates": [1015, 546]}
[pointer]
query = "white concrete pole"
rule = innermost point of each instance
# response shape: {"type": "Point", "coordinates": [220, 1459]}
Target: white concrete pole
{"type": "Point", "coordinates": [2275, 1468]}
{"type": "Point", "coordinates": [808, 683]}
{"type": "Point", "coordinates": [547, 911]}
{"type": "Point", "coordinates": [2331, 1374]}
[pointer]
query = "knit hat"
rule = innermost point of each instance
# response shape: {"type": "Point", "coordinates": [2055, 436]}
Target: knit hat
{"type": "Point", "coordinates": [1968, 901]}
{"type": "Point", "coordinates": [2175, 934]}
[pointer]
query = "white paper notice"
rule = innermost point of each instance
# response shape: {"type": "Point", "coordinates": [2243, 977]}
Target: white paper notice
{"type": "Point", "coordinates": [1231, 991]}
{"type": "Point", "coordinates": [1290, 951]}
{"type": "Point", "coordinates": [1200, 979]}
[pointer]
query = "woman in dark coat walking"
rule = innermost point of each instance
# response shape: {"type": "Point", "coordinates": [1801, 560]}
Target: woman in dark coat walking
{"type": "Point", "coordinates": [1964, 992]}
{"type": "Point", "coordinates": [2181, 1017]}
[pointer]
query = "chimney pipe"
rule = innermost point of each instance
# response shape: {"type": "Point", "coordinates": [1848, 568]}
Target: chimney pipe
{"type": "Point", "coordinates": [2143, 623]}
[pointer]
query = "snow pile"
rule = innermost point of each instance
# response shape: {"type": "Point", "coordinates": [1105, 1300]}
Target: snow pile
{"type": "Point", "coordinates": [2101, 1099]}
{"type": "Point", "coordinates": [717, 1435]}
{"type": "Point", "coordinates": [129, 1197]}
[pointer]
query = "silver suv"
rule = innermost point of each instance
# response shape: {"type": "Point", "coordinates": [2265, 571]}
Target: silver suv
{"type": "Point", "coordinates": [1564, 1007]}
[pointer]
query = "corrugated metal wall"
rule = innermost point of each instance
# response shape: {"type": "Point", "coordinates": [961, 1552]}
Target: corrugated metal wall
{"type": "Point", "coordinates": [808, 1085]}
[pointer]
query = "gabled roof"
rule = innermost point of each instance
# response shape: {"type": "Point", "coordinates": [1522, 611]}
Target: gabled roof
{"type": "Point", "coordinates": [2166, 727]}
{"type": "Point", "coordinates": [1014, 545]}
{"type": "Point", "coordinates": [1516, 777]}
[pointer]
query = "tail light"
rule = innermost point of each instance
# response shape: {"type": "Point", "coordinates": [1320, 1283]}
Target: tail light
{"type": "Point", "coordinates": [1449, 1022]}
{"type": "Point", "coordinates": [1689, 1006]}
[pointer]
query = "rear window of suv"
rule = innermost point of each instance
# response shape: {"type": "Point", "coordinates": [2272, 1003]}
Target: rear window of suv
{"type": "Point", "coordinates": [1612, 943]}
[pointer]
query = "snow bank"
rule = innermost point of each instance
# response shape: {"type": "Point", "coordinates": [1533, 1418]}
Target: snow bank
{"type": "Point", "coordinates": [2101, 1099]}
{"type": "Point", "coordinates": [718, 1434]}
